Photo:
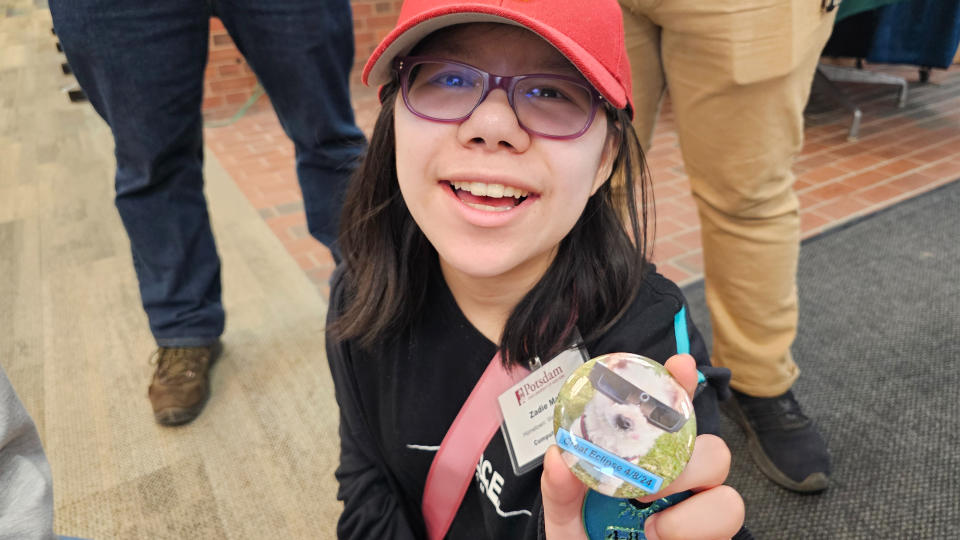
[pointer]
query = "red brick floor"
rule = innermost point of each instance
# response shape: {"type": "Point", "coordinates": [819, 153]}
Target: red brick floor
{"type": "Point", "coordinates": [900, 153]}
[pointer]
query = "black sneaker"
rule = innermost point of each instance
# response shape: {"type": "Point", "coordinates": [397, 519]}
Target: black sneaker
{"type": "Point", "coordinates": [784, 443]}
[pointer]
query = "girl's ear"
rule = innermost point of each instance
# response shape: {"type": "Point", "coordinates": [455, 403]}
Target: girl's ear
{"type": "Point", "coordinates": [607, 159]}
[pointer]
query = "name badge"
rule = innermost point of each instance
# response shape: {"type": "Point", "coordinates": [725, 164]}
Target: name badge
{"type": "Point", "coordinates": [527, 409]}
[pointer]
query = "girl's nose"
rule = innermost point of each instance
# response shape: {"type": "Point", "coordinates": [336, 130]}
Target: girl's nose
{"type": "Point", "coordinates": [494, 125]}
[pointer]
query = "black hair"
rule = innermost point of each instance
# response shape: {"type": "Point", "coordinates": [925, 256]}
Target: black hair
{"type": "Point", "coordinates": [592, 280]}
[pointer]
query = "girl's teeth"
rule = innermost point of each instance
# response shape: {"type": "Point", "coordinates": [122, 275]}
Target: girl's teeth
{"type": "Point", "coordinates": [489, 208]}
{"type": "Point", "coordinates": [490, 190]}
{"type": "Point", "coordinates": [479, 189]}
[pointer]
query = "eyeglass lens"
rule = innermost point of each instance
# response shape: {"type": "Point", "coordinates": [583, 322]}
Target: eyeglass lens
{"type": "Point", "coordinates": [550, 106]}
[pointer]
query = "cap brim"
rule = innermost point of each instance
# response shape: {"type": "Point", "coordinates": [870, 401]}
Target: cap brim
{"type": "Point", "coordinates": [404, 37]}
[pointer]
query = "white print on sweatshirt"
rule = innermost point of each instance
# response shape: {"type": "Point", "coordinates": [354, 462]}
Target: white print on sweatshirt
{"type": "Point", "coordinates": [489, 481]}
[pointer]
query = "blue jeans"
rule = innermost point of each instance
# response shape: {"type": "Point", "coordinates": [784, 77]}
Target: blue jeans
{"type": "Point", "coordinates": [142, 66]}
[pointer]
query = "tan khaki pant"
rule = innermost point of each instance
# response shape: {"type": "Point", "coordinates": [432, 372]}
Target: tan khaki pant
{"type": "Point", "coordinates": [739, 74]}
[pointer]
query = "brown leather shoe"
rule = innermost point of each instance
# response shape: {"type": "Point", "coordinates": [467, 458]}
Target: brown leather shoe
{"type": "Point", "coordinates": [181, 384]}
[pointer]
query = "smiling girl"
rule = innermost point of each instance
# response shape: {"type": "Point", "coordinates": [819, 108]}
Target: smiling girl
{"type": "Point", "coordinates": [502, 203]}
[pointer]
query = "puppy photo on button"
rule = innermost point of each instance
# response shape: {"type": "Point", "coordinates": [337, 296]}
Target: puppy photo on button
{"type": "Point", "coordinates": [629, 407]}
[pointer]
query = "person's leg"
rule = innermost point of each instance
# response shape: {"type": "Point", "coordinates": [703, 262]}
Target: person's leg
{"type": "Point", "coordinates": [642, 39]}
{"type": "Point", "coordinates": [141, 65]}
{"type": "Point", "coordinates": [739, 80]}
{"type": "Point", "coordinates": [142, 68]}
{"type": "Point", "coordinates": [302, 52]}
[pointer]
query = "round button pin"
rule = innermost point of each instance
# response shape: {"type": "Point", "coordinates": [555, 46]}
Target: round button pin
{"type": "Point", "coordinates": [624, 425]}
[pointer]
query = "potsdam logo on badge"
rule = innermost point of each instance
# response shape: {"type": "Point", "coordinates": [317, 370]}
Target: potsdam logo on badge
{"type": "Point", "coordinates": [531, 388]}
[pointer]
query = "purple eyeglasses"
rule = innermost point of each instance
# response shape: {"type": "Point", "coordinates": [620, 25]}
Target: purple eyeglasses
{"type": "Point", "coordinates": [553, 106]}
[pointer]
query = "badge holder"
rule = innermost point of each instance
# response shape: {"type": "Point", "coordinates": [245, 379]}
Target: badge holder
{"type": "Point", "coordinates": [528, 407]}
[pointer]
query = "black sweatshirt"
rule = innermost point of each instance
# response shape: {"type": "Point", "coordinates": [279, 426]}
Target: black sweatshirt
{"type": "Point", "coordinates": [396, 406]}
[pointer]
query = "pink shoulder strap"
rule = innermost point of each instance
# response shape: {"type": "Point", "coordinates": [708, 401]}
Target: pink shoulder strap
{"type": "Point", "coordinates": [462, 446]}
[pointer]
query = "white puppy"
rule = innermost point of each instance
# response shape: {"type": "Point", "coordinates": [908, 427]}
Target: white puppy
{"type": "Point", "coordinates": [622, 428]}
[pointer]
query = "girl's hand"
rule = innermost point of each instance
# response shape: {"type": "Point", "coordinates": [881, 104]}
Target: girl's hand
{"type": "Point", "coordinates": [714, 511]}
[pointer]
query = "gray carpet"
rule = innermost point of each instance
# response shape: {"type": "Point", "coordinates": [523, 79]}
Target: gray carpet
{"type": "Point", "coordinates": [878, 347]}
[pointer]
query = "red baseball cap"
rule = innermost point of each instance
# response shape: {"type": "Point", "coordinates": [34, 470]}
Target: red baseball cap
{"type": "Point", "coordinates": [588, 33]}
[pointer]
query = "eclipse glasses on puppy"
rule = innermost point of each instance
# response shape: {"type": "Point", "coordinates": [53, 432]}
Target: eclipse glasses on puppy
{"type": "Point", "coordinates": [615, 387]}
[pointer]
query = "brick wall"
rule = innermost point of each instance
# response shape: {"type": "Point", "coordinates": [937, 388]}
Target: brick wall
{"type": "Point", "coordinates": [229, 81]}
{"type": "Point", "coordinates": [372, 21]}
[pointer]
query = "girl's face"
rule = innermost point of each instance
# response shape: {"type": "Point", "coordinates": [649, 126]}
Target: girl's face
{"type": "Point", "coordinates": [460, 180]}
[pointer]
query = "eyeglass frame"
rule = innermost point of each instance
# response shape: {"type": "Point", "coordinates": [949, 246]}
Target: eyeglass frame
{"type": "Point", "coordinates": [403, 64]}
